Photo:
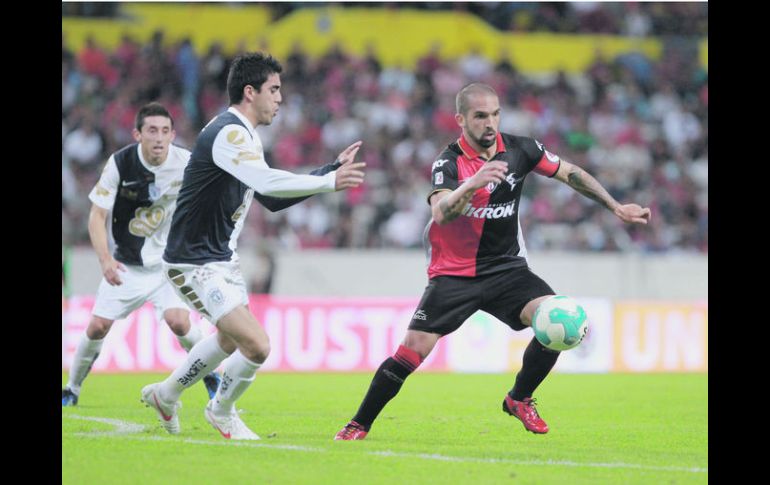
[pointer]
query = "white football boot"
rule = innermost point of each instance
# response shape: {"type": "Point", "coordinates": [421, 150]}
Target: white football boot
{"type": "Point", "coordinates": [230, 427]}
{"type": "Point", "coordinates": [167, 413]}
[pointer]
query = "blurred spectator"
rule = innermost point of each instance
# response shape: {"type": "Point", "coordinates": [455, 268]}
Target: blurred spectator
{"type": "Point", "coordinates": [83, 146]}
{"type": "Point", "coordinates": [640, 125]}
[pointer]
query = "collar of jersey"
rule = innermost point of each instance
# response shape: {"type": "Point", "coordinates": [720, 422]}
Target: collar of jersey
{"type": "Point", "coordinates": [146, 164]}
{"type": "Point", "coordinates": [245, 120]}
{"type": "Point", "coordinates": [471, 153]}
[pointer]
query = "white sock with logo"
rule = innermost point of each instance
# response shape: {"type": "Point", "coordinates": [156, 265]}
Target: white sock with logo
{"type": "Point", "coordinates": [193, 336]}
{"type": "Point", "coordinates": [203, 358]}
{"type": "Point", "coordinates": [85, 356]}
{"type": "Point", "coordinates": [237, 376]}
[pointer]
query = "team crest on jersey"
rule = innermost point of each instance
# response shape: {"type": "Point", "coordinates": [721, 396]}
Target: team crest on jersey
{"type": "Point", "coordinates": [491, 186]}
{"type": "Point", "coordinates": [512, 180]}
{"type": "Point", "coordinates": [154, 191]}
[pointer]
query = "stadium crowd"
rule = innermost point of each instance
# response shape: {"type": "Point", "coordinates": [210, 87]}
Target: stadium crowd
{"type": "Point", "coordinates": [640, 126]}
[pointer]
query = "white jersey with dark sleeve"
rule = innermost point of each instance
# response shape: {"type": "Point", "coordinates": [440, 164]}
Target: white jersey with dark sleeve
{"type": "Point", "coordinates": [141, 199]}
{"type": "Point", "coordinates": [226, 166]}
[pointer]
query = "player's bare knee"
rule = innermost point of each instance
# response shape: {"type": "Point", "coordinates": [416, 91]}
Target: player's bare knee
{"type": "Point", "coordinates": [529, 309]}
{"type": "Point", "coordinates": [178, 321]}
{"type": "Point", "coordinates": [98, 328]}
{"type": "Point", "coordinates": [257, 350]}
{"type": "Point", "coordinates": [180, 327]}
{"type": "Point", "coordinates": [420, 342]}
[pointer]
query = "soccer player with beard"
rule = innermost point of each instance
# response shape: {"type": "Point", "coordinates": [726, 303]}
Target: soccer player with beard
{"type": "Point", "coordinates": [478, 260]}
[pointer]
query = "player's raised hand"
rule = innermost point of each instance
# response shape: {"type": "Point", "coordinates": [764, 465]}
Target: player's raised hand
{"type": "Point", "coordinates": [491, 172]}
{"type": "Point", "coordinates": [633, 213]}
{"type": "Point", "coordinates": [349, 154]}
{"type": "Point", "coordinates": [350, 173]}
{"type": "Point", "coordinates": [110, 270]}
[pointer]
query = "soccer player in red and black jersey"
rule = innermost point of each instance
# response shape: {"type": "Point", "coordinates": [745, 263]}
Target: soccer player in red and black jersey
{"type": "Point", "coordinates": [478, 260]}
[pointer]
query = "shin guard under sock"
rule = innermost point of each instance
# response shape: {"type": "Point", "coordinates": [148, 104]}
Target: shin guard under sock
{"type": "Point", "coordinates": [386, 383]}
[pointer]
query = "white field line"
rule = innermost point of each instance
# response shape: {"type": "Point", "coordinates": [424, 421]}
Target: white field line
{"type": "Point", "coordinates": [125, 429]}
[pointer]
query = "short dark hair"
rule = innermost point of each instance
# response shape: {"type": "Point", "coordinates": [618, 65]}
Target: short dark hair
{"type": "Point", "coordinates": [461, 101]}
{"type": "Point", "coordinates": [250, 69]}
{"type": "Point", "coordinates": [151, 109]}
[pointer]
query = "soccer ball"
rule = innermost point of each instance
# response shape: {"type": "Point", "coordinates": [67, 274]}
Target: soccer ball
{"type": "Point", "coordinates": [559, 323]}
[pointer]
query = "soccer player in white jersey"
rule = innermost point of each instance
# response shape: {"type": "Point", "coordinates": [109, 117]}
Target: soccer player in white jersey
{"type": "Point", "coordinates": [227, 170]}
{"type": "Point", "coordinates": [138, 188]}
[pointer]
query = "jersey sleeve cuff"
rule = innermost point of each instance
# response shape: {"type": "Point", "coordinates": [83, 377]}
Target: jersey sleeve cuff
{"type": "Point", "coordinates": [436, 191]}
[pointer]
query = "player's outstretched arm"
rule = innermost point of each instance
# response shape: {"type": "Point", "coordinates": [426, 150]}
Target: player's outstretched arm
{"type": "Point", "coordinates": [275, 204]}
{"type": "Point", "coordinates": [586, 184]}
{"type": "Point", "coordinates": [97, 231]}
{"type": "Point", "coordinates": [235, 156]}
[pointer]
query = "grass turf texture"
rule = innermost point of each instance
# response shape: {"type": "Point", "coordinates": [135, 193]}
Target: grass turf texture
{"type": "Point", "coordinates": [441, 428]}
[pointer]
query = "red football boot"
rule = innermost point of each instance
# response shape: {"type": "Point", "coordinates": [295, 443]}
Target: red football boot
{"type": "Point", "coordinates": [351, 431]}
{"type": "Point", "coordinates": [526, 412]}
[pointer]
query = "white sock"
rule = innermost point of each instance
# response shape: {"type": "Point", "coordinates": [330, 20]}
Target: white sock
{"type": "Point", "coordinates": [237, 376]}
{"type": "Point", "coordinates": [193, 336]}
{"type": "Point", "coordinates": [85, 356]}
{"type": "Point", "coordinates": [203, 358]}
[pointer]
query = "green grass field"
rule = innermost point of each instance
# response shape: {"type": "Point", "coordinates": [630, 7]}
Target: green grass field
{"type": "Point", "coordinates": [441, 428]}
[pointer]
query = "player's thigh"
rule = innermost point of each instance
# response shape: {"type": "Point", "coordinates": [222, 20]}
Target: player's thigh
{"type": "Point", "coordinates": [445, 305]}
{"type": "Point", "coordinates": [510, 295]}
{"type": "Point", "coordinates": [116, 302]}
{"type": "Point", "coordinates": [169, 304]}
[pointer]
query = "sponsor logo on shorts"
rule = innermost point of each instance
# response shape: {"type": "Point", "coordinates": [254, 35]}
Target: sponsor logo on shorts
{"type": "Point", "coordinates": [420, 315]}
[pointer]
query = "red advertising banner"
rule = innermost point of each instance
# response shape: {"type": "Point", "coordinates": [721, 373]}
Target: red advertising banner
{"type": "Point", "coordinates": [305, 335]}
{"type": "Point", "coordinates": [357, 334]}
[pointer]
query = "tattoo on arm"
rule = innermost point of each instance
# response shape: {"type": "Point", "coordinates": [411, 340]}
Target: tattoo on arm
{"type": "Point", "coordinates": [587, 185]}
{"type": "Point", "coordinates": [453, 211]}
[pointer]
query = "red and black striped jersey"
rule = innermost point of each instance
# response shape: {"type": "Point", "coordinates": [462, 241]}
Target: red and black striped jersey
{"type": "Point", "coordinates": [486, 238]}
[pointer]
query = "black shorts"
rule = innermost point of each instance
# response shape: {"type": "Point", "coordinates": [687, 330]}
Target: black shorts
{"type": "Point", "coordinates": [450, 300]}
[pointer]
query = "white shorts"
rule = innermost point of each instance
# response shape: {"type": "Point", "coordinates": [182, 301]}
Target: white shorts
{"type": "Point", "coordinates": [212, 289]}
{"type": "Point", "coordinates": [140, 284]}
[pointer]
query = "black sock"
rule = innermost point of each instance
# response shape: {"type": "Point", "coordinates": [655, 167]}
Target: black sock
{"type": "Point", "coordinates": [385, 385]}
{"type": "Point", "coordinates": [537, 363]}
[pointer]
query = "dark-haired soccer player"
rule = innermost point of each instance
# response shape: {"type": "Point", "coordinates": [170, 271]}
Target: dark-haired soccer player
{"type": "Point", "coordinates": [477, 256]}
{"type": "Point", "coordinates": [227, 170]}
{"type": "Point", "coordinates": [138, 187]}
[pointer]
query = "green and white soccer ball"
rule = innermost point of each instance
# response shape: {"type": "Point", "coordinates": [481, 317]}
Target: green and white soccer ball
{"type": "Point", "coordinates": [560, 323]}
